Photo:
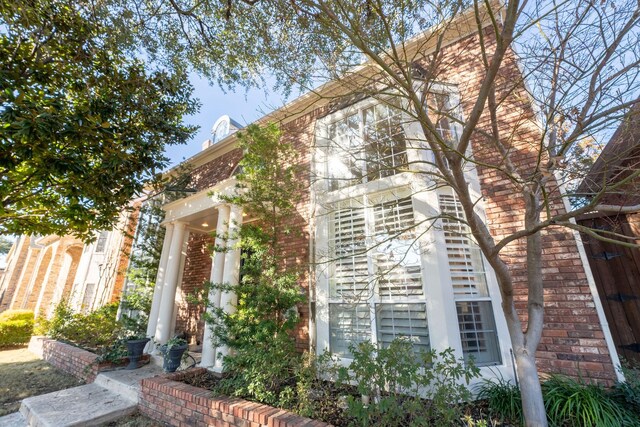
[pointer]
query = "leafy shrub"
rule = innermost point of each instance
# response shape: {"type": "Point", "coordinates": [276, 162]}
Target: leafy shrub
{"type": "Point", "coordinates": [16, 327]}
{"type": "Point", "coordinates": [16, 315]}
{"type": "Point", "coordinates": [628, 392]}
{"type": "Point", "coordinates": [394, 382]}
{"type": "Point", "coordinates": [503, 398]}
{"type": "Point", "coordinates": [572, 402]}
{"type": "Point", "coordinates": [94, 331]}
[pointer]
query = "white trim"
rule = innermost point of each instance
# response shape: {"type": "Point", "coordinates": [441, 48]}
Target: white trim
{"type": "Point", "coordinates": [198, 202]}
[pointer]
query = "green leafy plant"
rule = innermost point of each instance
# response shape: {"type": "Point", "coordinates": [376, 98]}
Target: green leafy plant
{"type": "Point", "coordinates": [95, 331]}
{"type": "Point", "coordinates": [263, 360]}
{"type": "Point", "coordinates": [397, 387]}
{"type": "Point", "coordinates": [628, 392]}
{"type": "Point", "coordinates": [575, 403]}
{"type": "Point", "coordinates": [503, 398]}
{"type": "Point", "coordinates": [16, 327]}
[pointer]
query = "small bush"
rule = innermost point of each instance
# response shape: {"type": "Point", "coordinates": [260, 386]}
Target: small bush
{"type": "Point", "coordinates": [572, 402]}
{"type": "Point", "coordinates": [95, 331]}
{"type": "Point", "coordinates": [401, 388]}
{"type": "Point", "coordinates": [16, 315]}
{"type": "Point", "coordinates": [16, 327]}
{"type": "Point", "coordinates": [628, 392]}
{"type": "Point", "coordinates": [503, 398]}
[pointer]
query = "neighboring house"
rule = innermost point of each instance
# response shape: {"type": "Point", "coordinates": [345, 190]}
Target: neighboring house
{"type": "Point", "coordinates": [435, 287]}
{"type": "Point", "coordinates": [42, 270]}
{"type": "Point", "coordinates": [616, 268]}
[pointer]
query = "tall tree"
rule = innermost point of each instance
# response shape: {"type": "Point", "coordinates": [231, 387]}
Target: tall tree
{"type": "Point", "coordinates": [579, 74]}
{"type": "Point", "coordinates": [83, 123]}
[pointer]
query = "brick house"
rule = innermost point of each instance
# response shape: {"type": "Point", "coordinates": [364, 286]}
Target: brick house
{"type": "Point", "coordinates": [41, 270]}
{"type": "Point", "coordinates": [434, 288]}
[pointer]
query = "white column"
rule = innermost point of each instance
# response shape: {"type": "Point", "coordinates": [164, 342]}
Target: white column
{"type": "Point", "coordinates": [167, 301]}
{"type": "Point", "coordinates": [157, 290]}
{"type": "Point", "coordinates": [231, 273]}
{"type": "Point", "coordinates": [217, 269]}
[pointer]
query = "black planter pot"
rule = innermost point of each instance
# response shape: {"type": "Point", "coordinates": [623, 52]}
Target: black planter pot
{"type": "Point", "coordinates": [135, 348]}
{"type": "Point", "coordinates": [173, 357]}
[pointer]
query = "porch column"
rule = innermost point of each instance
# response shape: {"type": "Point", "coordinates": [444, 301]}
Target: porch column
{"type": "Point", "coordinates": [167, 301]}
{"type": "Point", "coordinates": [157, 290]}
{"type": "Point", "coordinates": [231, 273]}
{"type": "Point", "coordinates": [217, 269]}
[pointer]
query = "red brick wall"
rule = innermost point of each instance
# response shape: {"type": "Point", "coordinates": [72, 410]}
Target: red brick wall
{"type": "Point", "coordinates": [166, 400]}
{"type": "Point", "coordinates": [573, 341]}
{"type": "Point", "coordinates": [211, 173]}
{"type": "Point", "coordinates": [197, 270]}
{"type": "Point", "coordinates": [73, 360]}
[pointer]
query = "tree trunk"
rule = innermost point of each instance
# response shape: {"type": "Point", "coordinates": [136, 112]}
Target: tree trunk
{"type": "Point", "coordinates": [535, 414]}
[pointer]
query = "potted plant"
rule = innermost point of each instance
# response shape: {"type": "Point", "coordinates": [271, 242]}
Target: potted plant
{"type": "Point", "coordinates": [135, 348]}
{"type": "Point", "coordinates": [172, 353]}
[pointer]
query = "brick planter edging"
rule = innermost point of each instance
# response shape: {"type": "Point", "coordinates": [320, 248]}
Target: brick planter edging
{"type": "Point", "coordinates": [167, 400]}
{"type": "Point", "coordinates": [73, 360]}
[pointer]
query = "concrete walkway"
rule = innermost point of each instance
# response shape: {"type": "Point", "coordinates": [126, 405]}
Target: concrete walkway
{"type": "Point", "coordinates": [113, 395]}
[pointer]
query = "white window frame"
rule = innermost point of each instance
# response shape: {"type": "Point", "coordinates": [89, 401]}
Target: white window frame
{"type": "Point", "coordinates": [442, 318]}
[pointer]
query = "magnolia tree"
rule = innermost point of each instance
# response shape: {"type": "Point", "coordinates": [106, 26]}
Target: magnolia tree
{"type": "Point", "coordinates": [546, 80]}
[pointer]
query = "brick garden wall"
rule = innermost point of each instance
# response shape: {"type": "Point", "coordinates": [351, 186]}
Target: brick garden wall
{"type": "Point", "coordinates": [73, 360]}
{"type": "Point", "coordinates": [166, 400]}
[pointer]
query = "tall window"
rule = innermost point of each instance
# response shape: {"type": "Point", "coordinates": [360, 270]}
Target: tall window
{"type": "Point", "coordinates": [375, 275]}
{"type": "Point", "coordinates": [101, 243]}
{"type": "Point", "coordinates": [365, 145]}
{"type": "Point", "coordinates": [388, 267]}
{"type": "Point", "coordinates": [466, 267]}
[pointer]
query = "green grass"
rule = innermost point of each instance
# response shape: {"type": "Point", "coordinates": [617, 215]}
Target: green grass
{"type": "Point", "coordinates": [22, 374]}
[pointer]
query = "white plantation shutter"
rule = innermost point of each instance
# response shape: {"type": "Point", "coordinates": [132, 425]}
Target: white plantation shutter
{"type": "Point", "coordinates": [465, 259]}
{"type": "Point", "coordinates": [375, 278]}
{"type": "Point", "coordinates": [350, 274]}
{"type": "Point", "coordinates": [396, 258]}
{"type": "Point", "coordinates": [403, 320]}
{"type": "Point", "coordinates": [478, 333]}
{"type": "Point", "coordinates": [348, 324]}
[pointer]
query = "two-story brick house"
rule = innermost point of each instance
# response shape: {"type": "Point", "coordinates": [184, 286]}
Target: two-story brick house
{"type": "Point", "coordinates": [376, 268]}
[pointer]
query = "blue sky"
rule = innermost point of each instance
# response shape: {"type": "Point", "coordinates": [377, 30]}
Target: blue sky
{"type": "Point", "coordinates": [242, 106]}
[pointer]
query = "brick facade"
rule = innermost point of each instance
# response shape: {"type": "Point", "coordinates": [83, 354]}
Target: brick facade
{"type": "Point", "coordinates": [197, 270]}
{"type": "Point", "coordinates": [573, 341]}
{"type": "Point", "coordinates": [167, 400]}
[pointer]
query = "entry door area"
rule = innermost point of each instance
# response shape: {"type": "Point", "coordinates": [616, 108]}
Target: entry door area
{"type": "Point", "coordinates": [616, 270]}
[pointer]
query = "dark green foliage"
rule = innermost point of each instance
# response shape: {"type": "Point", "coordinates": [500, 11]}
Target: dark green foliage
{"type": "Point", "coordinates": [576, 403]}
{"type": "Point", "coordinates": [83, 126]}
{"type": "Point", "coordinates": [394, 382]}
{"type": "Point", "coordinates": [95, 331]}
{"type": "Point", "coordinates": [16, 327]}
{"type": "Point", "coordinates": [504, 400]}
{"type": "Point", "coordinates": [628, 392]}
{"type": "Point", "coordinates": [5, 245]}
{"type": "Point", "coordinates": [264, 359]}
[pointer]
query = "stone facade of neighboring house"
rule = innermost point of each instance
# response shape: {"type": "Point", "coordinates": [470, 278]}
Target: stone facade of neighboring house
{"type": "Point", "coordinates": [616, 269]}
{"type": "Point", "coordinates": [42, 270]}
{"type": "Point", "coordinates": [424, 294]}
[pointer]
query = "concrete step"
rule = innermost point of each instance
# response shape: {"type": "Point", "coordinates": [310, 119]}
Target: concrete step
{"type": "Point", "coordinates": [13, 420]}
{"type": "Point", "coordinates": [127, 383]}
{"type": "Point", "coordinates": [87, 405]}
